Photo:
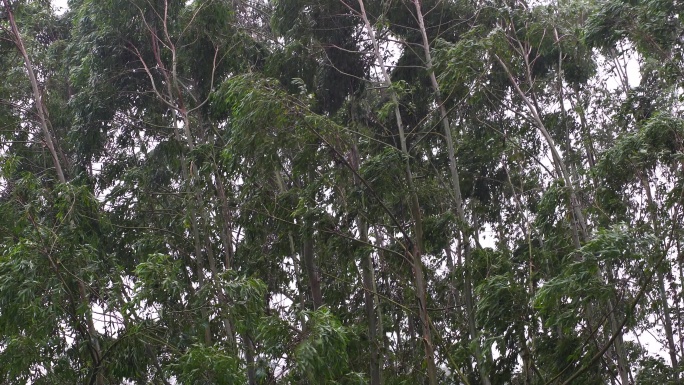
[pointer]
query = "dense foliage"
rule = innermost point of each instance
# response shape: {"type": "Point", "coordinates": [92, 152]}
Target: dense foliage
{"type": "Point", "coordinates": [342, 192]}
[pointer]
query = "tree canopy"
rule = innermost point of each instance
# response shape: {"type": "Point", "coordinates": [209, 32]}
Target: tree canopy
{"type": "Point", "coordinates": [342, 192]}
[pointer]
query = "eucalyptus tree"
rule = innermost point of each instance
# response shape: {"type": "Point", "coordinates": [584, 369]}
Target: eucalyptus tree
{"type": "Point", "coordinates": [646, 113]}
{"type": "Point", "coordinates": [525, 37]}
{"type": "Point", "coordinates": [340, 192]}
{"type": "Point", "coordinates": [534, 90]}
{"type": "Point", "coordinates": [56, 227]}
{"type": "Point", "coordinates": [148, 90]}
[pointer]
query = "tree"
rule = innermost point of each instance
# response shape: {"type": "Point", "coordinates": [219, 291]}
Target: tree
{"type": "Point", "coordinates": [341, 192]}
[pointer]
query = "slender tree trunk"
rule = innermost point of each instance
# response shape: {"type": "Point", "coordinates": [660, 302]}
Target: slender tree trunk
{"type": "Point", "coordinates": [401, 356]}
{"type": "Point", "coordinates": [470, 309]}
{"type": "Point", "coordinates": [455, 181]}
{"type": "Point", "coordinates": [559, 164]}
{"type": "Point", "coordinates": [382, 345]}
{"type": "Point", "coordinates": [568, 148]}
{"type": "Point", "coordinates": [37, 96]}
{"type": "Point", "coordinates": [44, 122]}
{"type": "Point", "coordinates": [308, 258]}
{"type": "Point", "coordinates": [417, 249]}
{"type": "Point", "coordinates": [619, 344]}
{"type": "Point", "coordinates": [310, 268]}
{"type": "Point", "coordinates": [369, 294]}
{"type": "Point", "coordinates": [222, 299]}
{"type": "Point", "coordinates": [227, 230]}
{"type": "Point", "coordinates": [249, 358]}
{"type": "Point", "coordinates": [667, 320]}
{"type": "Point", "coordinates": [619, 347]}
{"type": "Point", "coordinates": [293, 253]}
{"type": "Point", "coordinates": [620, 351]}
{"type": "Point", "coordinates": [680, 264]}
{"type": "Point", "coordinates": [175, 100]}
{"type": "Point", "coordinates": [187, 173]}
{"type": "Point", "coordinates": [455, 298]}
{"type": "Point", "coordinates": [669, 330]}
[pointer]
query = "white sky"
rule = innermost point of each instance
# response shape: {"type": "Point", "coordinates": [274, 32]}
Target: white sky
{"type": "Point", "coordinates": [60, 6]}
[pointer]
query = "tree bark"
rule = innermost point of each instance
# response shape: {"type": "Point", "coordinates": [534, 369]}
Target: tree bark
{"type": "Point", "coordinates": [310, 268]}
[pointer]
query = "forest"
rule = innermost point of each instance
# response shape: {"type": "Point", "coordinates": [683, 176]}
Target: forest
{"type": "Point", "coordinates": [474, 192]}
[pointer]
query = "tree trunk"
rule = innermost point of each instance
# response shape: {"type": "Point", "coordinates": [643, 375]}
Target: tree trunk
{"type": "Point", "coordinates": [41, 110]}
{"type": "Point", "coordinates": [455, 181]}
{"type": "Point", "coordinates": [369, 294]}
{"type": "Point", "coordinates": [667, 320]}
{"type": "Point", "coordinates": [249, 358]}
{"type": "Point", "coordinates": [37, 96]}
{"type": "Point", "coordinates": [561, 168]}
{"type": "Point", "coordinates": [310, 268]}
{"type": "Point", "coordinates": [417, 245]}
{"type": "Point", "coordinates": [293, 252]}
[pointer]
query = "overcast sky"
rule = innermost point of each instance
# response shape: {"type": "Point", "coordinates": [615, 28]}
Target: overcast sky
{"type": "Point", "coordinates": [60, 5]}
